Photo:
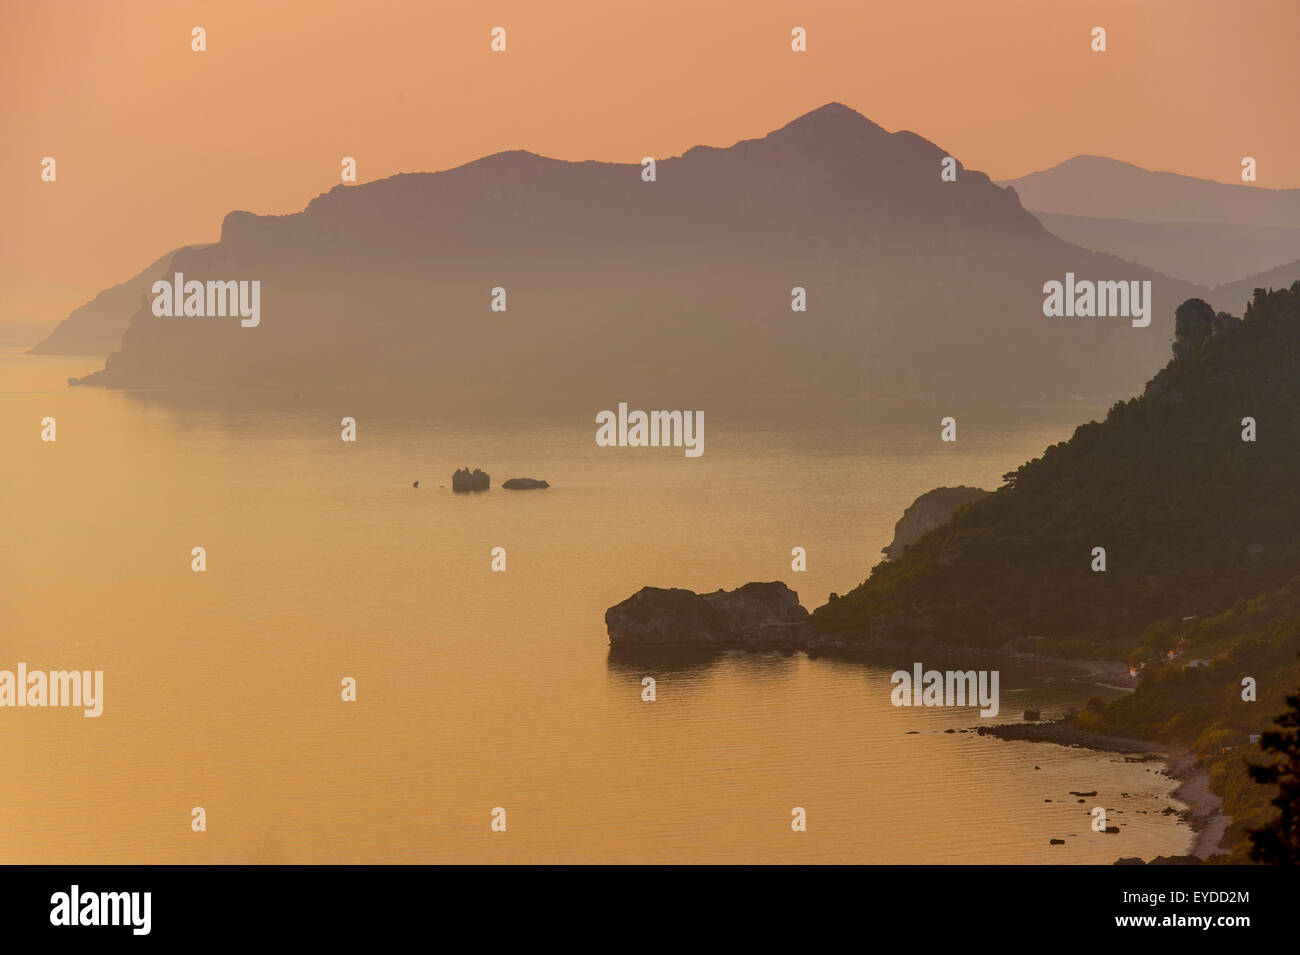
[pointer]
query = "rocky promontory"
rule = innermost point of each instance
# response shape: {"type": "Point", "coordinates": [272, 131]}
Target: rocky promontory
{"type": "Point", "coordinates": [927, 512]}
{"type": "Point", "coordinates": [755, 616]}
{"type": "Point", "coordinates": [524, 484]}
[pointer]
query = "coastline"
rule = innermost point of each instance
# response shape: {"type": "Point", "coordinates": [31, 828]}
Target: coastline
{"type": "Point", "coordinates": [1195, 804]}
{"type": "Point", "coordinates": [1203, 812]}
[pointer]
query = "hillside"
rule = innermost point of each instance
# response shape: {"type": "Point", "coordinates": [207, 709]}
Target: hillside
{"type": "Point", "coordinates": [1208, 253]}
{"type": "Point", "coordinates": [96, 328]}
{"type": "Point", "coordinates": [1098, 187]}
{"type": "Point", "coordinates": [675, 292]}
{"type": "Point", "coordinates": [1233, 296]}
{"type": "Point", "coordinates": [1191, 517]}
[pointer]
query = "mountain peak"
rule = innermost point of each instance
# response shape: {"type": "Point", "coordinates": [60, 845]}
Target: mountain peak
{"type": "Point", "coordinates": [833, 119]}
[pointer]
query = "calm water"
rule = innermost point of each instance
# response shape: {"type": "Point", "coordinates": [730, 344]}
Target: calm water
{"type": "Point", "coordinates": [479, 689]}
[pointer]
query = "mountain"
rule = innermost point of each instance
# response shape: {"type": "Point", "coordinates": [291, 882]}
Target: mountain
{"type": "Point", "coordinates": [676, 293]}
{"type": "Point", "coordinates": [1234, 295]}
{"type": "Point", "coordinates": [1103, 188]}
{"type": "Point", "coordinates": [1207, 253]}
{"type": "Point", "coordinates": [1191, 516]}
{"type": "Point", "coordinates": [96, 328]}
{"type": "Point", "coordinates": [1194, 229]}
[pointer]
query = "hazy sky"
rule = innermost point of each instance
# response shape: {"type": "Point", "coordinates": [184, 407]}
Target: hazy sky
{"type": "Point", "coordinates": [156, 143]}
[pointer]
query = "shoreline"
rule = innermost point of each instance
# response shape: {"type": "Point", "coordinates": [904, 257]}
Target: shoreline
{"type": "Point", "coordinates": [1203, 812]}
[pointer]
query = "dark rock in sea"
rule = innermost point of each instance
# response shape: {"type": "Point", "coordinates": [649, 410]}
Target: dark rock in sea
{"type": "Point", "coordinates": [755, 616]}
{"type": "Point", "coordinates": [466, 480]}
{"type": "Point", "coordinates": [1056, 842]}
{"type": "Point", "coordinates": [927, 512]}
{"type": "Point", "coordinates": [1112, 830]}
{"type": "Point", "coordinates": [1073, 793]}
{"type": "Point", "coordinates": [416, 484]}
{"type": "Point", "coordinates": [524, 484]}
{"type": "Point", "coordinates": [655, 616]}
{"type": "Point", "coordinates": [757, 610]}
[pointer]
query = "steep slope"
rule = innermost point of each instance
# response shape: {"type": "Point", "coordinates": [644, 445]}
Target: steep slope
{"type": "Point", "coordinates": [1191, 516]}
{"type": "Point", "coordinates": [927, 512]}
{"type": "Point", "coordinates": [96, 328]}
{"type": "Point", "coordinates": [676, 293]}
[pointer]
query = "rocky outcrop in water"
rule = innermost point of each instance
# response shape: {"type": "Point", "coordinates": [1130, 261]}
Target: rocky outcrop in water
{"type": "Point", "coordinates": [754, 616]}
{"type": "Point", "coordinates": [927, 512]}
{"type": "Point", "coordinates": [466, 480]}
{"type": "Point", "coordinates": [524, 484]}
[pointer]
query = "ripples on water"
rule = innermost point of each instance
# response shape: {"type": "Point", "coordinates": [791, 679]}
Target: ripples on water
{"type": "Point", "coordinates": [477, 689]}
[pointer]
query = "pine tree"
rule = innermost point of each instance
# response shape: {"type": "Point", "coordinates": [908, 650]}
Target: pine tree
{"type": "Point", "coordinates": [1279, 842]}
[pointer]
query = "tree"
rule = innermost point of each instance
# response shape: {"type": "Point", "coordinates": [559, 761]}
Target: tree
{"type": "Point", "coordinates": [1279, 842]}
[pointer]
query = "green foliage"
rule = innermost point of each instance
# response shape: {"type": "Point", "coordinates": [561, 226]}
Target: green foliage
{"type": "Point", "coordinates": [1191, 516]}
{"type": "Point", "coordinates": [1279, 840]}
{"type": "Point", "coordinates": [1202, 585]}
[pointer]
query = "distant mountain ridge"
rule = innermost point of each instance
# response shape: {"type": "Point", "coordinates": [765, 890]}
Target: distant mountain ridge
{"type": "Point", "coordinates": [1098, 187]}
{"type": "Point", "coordinates": [96, 328]}
{"type": "Point", "coordinates": [1202, 231]}
{"type": "Point", "coordinates": [1226, 297]}
{"type": "Point", "coordinates": [680, 288]}
{"type": "Point", "coordinates": [1208, 253]}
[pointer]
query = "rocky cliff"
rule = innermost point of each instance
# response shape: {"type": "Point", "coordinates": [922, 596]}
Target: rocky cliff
{"type": "Point", "coordinates": [927, 512]}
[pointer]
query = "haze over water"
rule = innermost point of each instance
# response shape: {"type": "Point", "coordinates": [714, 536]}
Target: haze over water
{"type": "Point", "coordinates": [479, 689]}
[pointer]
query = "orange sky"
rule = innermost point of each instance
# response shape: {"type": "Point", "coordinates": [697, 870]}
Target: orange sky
{"type": "Point", "coordinates": [155, 143]}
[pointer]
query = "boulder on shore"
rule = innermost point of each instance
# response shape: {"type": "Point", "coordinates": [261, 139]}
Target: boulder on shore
{"type": "Point", "coordinates": [755, 615]}
{"type": "Point", "coordinates": [466, 480]}
{"type": "Point", "coordinates": [524, 484]}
